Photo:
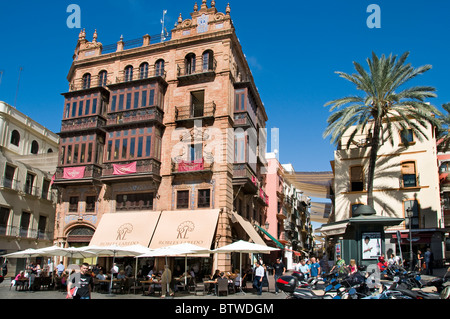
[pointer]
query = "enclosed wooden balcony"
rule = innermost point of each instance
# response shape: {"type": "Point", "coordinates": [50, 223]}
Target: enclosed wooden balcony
{"type": "Point", "coordinates": [244, 176]}
{"type": "Point", "coordinates": [145, 114]}
{"type": "Point", "coordinates": [132, 170]}
{"type": "Point", "coordinates": [195, 112]}
{"type": "Point", "coordinates": [87, 123]}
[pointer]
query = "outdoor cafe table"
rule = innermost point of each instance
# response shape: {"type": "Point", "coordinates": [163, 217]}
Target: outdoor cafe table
{"type": "Point", "coordinates": [213, 282]}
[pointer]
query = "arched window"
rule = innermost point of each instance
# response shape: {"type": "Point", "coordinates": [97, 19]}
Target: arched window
{"type": "Point", "coordinates": [34, 147]}
{"type": "Point", "coordinates": [189, 62]}
{"type": "Point", "coordinates": [87, 81]}
{"type": "Point", "coordinates": [15, 138]}
{"type": "Point", "coordinates": [128, 73]}
{"type": "Point", "coordinates": [159, 67]}
{"type": "Point", "coordinates": [208, 61]}
{"type": "Point", "coordinates": [143, 71]}
{"type": "Point", "coordinates": [102, 78]}
{"type": "Point", "coordinates": [49, 150]}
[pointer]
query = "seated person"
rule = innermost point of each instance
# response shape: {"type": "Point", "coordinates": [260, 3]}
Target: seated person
{"type": "Point", "coordinates": [382, 264]}
{"type": "Point", "coordinates": [121, 274]}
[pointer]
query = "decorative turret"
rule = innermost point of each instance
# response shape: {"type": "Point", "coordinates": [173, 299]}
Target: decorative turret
{"type": "Point", "coordinates": [86, 49]}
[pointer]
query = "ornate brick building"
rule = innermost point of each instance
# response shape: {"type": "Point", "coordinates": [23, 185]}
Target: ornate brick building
{"type": "Point", "coordinates": [164, 126]}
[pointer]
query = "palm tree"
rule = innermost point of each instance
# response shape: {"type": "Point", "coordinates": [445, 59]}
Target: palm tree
{"type": "Point", "coordinates": [443, 136]}
{"type": "Point", "coordinates": [381, 108]}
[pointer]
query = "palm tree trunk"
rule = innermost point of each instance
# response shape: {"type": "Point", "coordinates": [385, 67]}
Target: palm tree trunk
{"type": "Point", "coordinates": [375, 145]}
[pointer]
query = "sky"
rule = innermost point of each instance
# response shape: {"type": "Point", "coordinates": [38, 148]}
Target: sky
{"type": "Point", "coordinates": [293, 49]}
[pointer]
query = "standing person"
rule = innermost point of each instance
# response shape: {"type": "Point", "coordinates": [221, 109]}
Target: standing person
{"type": "Point", "coordinates": [278, 270]}
{"type": "Point", "coordinates": [340, 264]}
{"type": "Point", "coordinates": [114, 270]}
{"type": "Point", "coordinates": [5, 268]}
{"type": "Point", "coordinates": [314, 267]}
{"type": "Point", "coordinates": [429, 258]}
{"type": "Point", "coordinates": [60, 268]}
{"type": "Point", "coordinates": [259, 275]}
{"type": "Point", "coordinates": [129, 270]}
{"type": "Point", "coordinates": [166, 278]}
{"type": "Point", "coordinates": [51, 267]}
{"type": "Point", "coordinates": [352, 267]}
{"type": "Point", "coordinates": [83, 281]}
{"type": "Point", "coordinates": [304, 268]}
{"type": "Point", "coordinates": [419, 260]}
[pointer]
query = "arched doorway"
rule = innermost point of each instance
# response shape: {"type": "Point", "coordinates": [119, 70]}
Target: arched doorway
{"type": "Point", "coordinates": [80, 236]}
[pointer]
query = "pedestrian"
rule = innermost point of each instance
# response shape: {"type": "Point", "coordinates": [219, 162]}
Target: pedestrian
{"type": "Point", "coordinates": [304, 268]}
{"type": "Point", "coordinates": [114, 270]}
{"type": "Point", "coordinates": [279, 270]}
{"type": "Point", "coordinates": [340, 264]}
{"type": "Point", "coordinates": [60, 268]}
{"type": "Point", "coordinates": [166, 279]}
{"type": "Point", "coordinates": [429, 258]}
{"type": "Point", "coordinates": [259, 275]}
{"type": "Point", "coordinates": [314, 268]}
{"type": "Point", "coordinates": [352, 267]}
{"type": "Point", "coordinates": [5, 268]}
{"type": "Point", "coordinates": [129, 271]}
{"type": "Point", "coordinates": [419, 260]}
{"type": "Point", "coordinates": [82, 282]}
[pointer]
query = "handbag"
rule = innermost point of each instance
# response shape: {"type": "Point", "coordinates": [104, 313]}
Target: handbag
{"type": "Point", "coordinates": [73, 292]}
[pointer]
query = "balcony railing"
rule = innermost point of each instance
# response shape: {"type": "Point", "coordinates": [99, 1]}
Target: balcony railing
{"type": "Point", "coordinates": [242, 119]}
{"type": "Point", "coordinates": [263, 197]}
{"type": "Point", "coordinates": [91, 171]}
{"type": "Point", "coordinates": [197, 66]}
{"type": "Point", "coordinates": [195, 111]}
{"type": "Point", "coordinates": [143, 167]}
{"type": "Point", "coordinates": [196, 166]}
{"type": "Point", "coordinates": [84, 84]}
{"type": "Point", "coordinates": [17, 231]}
{"type": "Point", "coordinates": [13, 184]}
{"type": "Point", "coordinates": [137, 74]}
{"type": "Point", "coordinates": [152, 113]}
{"type": "Point", "coordinates": [81, 124]}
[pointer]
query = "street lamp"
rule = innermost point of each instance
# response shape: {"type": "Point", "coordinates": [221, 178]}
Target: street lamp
{"type": "Point", "coordinates": [409, 213]}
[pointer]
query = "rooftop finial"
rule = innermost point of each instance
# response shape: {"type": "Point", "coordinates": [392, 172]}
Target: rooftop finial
{"type": "Point", "coordinates": [195, 7]}
{"type": "Point", "coordinates": [228, 10]}
{"type": "Point", "coordinates": [204, 6]}
{"type": "Point", "coordinates": [213, 3]}
{"type": "Point", "coordinates": [180, 19]}
{"type": "Point", "coordinates": [95, 36]}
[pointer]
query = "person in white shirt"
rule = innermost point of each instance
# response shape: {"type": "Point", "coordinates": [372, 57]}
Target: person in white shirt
{"type": "Point", "coordinates": [114, 270]}
{"type": "Point", "coordinates": [259, 275]}
{"type": "Point", "coordinates": [60, 268]}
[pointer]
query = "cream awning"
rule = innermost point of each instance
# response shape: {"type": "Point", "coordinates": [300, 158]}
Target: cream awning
{"type": "Point", "coordinates": [125, 229]}
{"type": "Point", "coordinates": [249, 229]}
{"type": "Point", "coordinates": [177, 227]}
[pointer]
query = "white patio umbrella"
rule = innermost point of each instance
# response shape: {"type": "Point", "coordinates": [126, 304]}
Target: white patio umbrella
{"type": "Point", "coordinates": [242, 246]}
{"type": "Point", "coordinates": [114, 251]}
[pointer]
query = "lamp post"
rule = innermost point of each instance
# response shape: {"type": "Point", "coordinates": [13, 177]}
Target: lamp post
{"type": "Point", "coordinates": [409, 213]}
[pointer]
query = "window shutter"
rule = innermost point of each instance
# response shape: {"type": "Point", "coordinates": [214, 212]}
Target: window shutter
{"type": "Point", "coordinates": [408, 168]}
{"type": "Point", "coordinates": [356, 174]}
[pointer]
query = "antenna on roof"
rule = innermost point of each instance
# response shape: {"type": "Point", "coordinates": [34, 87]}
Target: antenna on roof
{"type": "Point", "coordinates": [163, 28]}
{"type": "Point", "coordinates": [17, 89]}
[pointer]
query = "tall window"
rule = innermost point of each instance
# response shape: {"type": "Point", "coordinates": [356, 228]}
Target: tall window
{"type": "Point", "coordinates": [41, 226]}
{"type": "Point", "coordinates": [195, 152]}
{"type": "Point", "coordinates": [130, 144]}
{"type": "Point", "coordinates": [102, 78]}
{"type": "Point", "coordinates": [159, 67]}
{"type": "Point", "coordinates": [28, 189]}
{"type": "Point", "coordinates": [9, 176]}
{"type": "Point", "coordinates": [4, 217]}
{"type": "Point", "coordinates": [73, 204]}
{"type": "Point", "coordinates": [90, 203]}
{"type": "Point", "coordinates": [197, 103]}
{"type": "Point", "coordinates": [183, 199]}
{"type": "Point", "coordinates": [189, 62]}
{"type": "Point", "coordinates": [128, 73]}
{"type": "Point", "coordinates": [143, 71]}
{"type": "Point", "coordinates": [239, 147]}
{"type": "Point", "coordinates": [15, 138]}
{"type": "Point", "coordinates": [86, 81]}
{"type": "Point", "coordinates": [208, 61]}
{"type": "Point", "coordinates": [24, 224]}
{"type": "Point", "coordinates": [413, 205]}
{"type": "Point", "coordinates": [204, 198]}
{"type": "Point", "coordinates": [34, 147]}
{"type": "Point", "coordinates": [239, 104]}
{"type": "Point", "coordinates": [45, 188]}
{"type": "Point", "coordinates": [356, 179]}
{"type": "Point", "coordinates": [409, 178]}
{"type": "Point", "coordinates": [406, 136]}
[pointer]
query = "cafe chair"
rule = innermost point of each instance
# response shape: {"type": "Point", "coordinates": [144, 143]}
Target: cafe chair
{"type": "Point", "coordinates": [136, 285]}
{"type": "Point", "coordinates": [222, 286]}
{"type": "Point", "coordinates": [200, 287]}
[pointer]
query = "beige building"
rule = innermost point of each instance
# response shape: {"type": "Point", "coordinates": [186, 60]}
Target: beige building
{"type": "Point", "coordinates": [28, 160]}
{"type": "Point", "coordinates": [406, 178]}
{"type": "Point", "coordinates": [156, 125]}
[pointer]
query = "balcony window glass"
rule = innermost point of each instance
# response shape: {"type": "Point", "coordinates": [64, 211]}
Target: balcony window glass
{"type": "Point", "coordinates": [86, 81]}
{"type": "Point", "coordinates": [208, 61]}
{"type": "Point", "coordinates": [143, 71]}
{"type": "Point", "coordinates": [24, 224]}
{"type": "Point", "coordinates": [128, 73]}
{"type": "Point", "coordinates": [89, 153]}
{"type": "Point", "coordinates": [195, 152]}
{"type": "Point", "coordinates": [197, 103]}
{"type": "Point", "coordinates": [183, 199]}
{"type": "Point", "coordinates": [159, 68]}
{"type": "Point", "coordinates": [102, 78]}
{"type": "Point", "coordinates": [29, 181]}
{"type": "Point", "coordinates": [406, 136]}
{"type": "Point", "coordinates": [9, 176]}
{"type": "Point", "coordinates": [356, 178]}
{"type": "Point", "coordinates": [136, 99]}
{"type": "Point", "coordinates": [80, 108]}
{"type": "Point", "coordinates": [204, 198]}
{"type": "Point", "coordinates": [41, 226]}
{"type": "Point", "coordinates": [73, 204]}
{"type": "Point", "coordinates": [409, 177]}
{"type": "Point", "coordinates": [137, 201]}
{"type": "Point", "coordinates": [4, 217]}
{"type": "Point", "coordinates": [121, 98]}
{"type": "Point", "coordinates": [113, 103]}
{"type": "Point", "coordinates": [94, 106]}
{"type": "Point", "coordinates": [189, 63]}
{"type": "Point", "coordinates": [90, 203]}
{"type": "Point", "coordinates": [45, 188]}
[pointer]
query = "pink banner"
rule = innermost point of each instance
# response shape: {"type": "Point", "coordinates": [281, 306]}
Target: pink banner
{"type": "Point", "coordinates": [196, 165]}
{"type": "Point", "coordinates": [74, 172]}
{"type": "Point", "coordinates": [53, 180]}
{"type": "Point", "coordinates": [124, 169]}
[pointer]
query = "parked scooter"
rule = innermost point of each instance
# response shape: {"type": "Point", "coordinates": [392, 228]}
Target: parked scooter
{"type": "Point", "coordinates": [289, 285]}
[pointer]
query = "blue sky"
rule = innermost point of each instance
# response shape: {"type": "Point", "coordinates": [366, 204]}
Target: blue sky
{"type": "Point", "coordinates": [293, 48]}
